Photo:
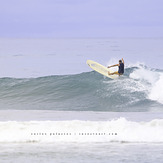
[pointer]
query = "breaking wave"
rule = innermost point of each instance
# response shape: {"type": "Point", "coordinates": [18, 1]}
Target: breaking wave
{"type": "Point", "coordinates": [139, 89]}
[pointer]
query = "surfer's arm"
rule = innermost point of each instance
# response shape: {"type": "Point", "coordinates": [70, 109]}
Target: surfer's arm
{"type": "Point", "coordinates": [113, 65]}
{"type": "Point", "coordinates": [123, 61]}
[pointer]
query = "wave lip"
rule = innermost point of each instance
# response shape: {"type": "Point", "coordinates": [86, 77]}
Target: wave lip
{"type": "Point", "coordinates": [120, 130]}
{"type": "Point", "coordinates": [156, 92]}
{"type": "Point", "coordinates": [151, 80]}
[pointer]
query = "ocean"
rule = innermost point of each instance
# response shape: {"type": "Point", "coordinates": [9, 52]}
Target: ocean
{"type": "Point", "coordinates": [54, 108]}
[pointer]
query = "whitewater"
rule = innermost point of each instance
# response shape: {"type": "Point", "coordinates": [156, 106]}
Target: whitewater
{"type": "Point", "coordinates": [54, 107]}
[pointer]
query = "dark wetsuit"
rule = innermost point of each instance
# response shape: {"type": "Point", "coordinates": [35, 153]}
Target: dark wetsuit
{"type": "Point", "coordinates": [121, 68]}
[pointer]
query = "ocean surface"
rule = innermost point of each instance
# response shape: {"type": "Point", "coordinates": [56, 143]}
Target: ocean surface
{"type": "Point", "coordinates": [54, 108]}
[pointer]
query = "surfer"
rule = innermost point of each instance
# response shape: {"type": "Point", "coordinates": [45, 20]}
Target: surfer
{"type": "Point", "coordinates": [120, 68]}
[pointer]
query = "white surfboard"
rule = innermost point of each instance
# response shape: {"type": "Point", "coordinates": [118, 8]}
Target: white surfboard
{"type": "Point", "coordinates": [101, 69]}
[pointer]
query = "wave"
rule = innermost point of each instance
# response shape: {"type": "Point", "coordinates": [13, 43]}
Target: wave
{"type": "Point", "coordinates": [151, 79]}
{"type": "Point", "coordinates": [139, 89]}
{"type": "Point", "coordinates": [118, 130]}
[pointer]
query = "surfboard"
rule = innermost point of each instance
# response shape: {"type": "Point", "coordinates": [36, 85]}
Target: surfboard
{"type": "Point", "coordinates": [101, 69]}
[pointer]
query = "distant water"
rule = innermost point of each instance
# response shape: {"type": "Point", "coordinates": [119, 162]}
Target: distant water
{"type": "Point", "coordinates": [25, 58]}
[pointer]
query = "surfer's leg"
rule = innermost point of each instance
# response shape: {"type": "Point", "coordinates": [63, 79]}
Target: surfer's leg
{"type": "Point", "coordinates": [113, 73]}
{"type": "Point", "coordinates": [116, 73]}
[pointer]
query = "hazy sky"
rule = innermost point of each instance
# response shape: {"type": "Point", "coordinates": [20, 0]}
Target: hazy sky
{"type": "Point", "coordinates": [81, 18]}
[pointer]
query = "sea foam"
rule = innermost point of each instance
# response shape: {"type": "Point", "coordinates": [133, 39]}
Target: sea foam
{"type": "Point", "coordinates": [156, 92]}
{"type": "Point", "coordinates": [151, 80]}
{"type": "Point", "coordinates": [118, 130]}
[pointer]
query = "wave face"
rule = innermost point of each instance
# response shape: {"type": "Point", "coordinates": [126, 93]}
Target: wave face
{"type": "Point", "coordinates": [139, 89]}
{"type": "Point", "coordinates": [120, 130]}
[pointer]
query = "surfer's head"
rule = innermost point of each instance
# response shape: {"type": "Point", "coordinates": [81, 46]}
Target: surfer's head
{"type": "Point", "coordinates": [120, 61]}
